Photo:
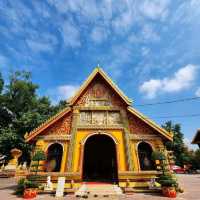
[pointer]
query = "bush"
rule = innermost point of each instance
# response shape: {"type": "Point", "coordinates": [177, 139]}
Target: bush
{"type": "Point", "coordinates": [39, 155]}
{"type": "Point", "coordinates": [24, 184]}
{"type": "Point", "coordinates": [167, 180]}
{"type": "Point", "coordinates": [168, 183]}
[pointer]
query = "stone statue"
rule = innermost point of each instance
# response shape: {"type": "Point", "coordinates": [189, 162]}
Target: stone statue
{"type": "Point", "coordinates": [24, 166]}
{"type": "Point", "coordinates": [49, 184]}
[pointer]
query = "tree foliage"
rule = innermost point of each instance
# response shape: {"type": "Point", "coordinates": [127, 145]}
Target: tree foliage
{"type": "Point", "coordinates": [1, 83]}
{"type": "Point", "coordinates": [183, 155]}
{"type": "Point", "coordinates": [21, 110]}
{"type": "Point", "coordinates": [177, 145]}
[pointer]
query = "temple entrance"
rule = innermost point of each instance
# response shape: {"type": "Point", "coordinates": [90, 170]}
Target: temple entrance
{"type": "Point", "coordinates": [100, 162]}
{"type": "Point", "coordinates": [54, 157]}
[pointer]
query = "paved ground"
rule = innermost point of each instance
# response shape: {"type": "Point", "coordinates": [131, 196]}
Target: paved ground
{"type": "Point", "coordinates": [190, 183]}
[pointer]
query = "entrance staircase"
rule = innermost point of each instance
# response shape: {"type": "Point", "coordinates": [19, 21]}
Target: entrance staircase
{"type": "Point", "coordinates": [98, 189]}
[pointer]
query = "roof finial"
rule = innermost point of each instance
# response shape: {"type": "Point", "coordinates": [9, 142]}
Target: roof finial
{"type": "Point", "coordinates": [98, 65]}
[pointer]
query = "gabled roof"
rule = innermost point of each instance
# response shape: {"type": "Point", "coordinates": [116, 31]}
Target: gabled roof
{"type": "Point", "coordinates": [99, 71]}
{"type": "Point", "coordinates": [155, 126]}
{"type": "Point", "coordinates": [46, 124]}
{"type": "Point", "coordinates": [196, 139]}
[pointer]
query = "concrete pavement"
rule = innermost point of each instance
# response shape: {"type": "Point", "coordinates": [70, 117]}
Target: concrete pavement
{"type": "Point", "coordinates": [190, 183]}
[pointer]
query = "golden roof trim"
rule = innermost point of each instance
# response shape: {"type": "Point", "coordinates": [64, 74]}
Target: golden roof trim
{"type": "Point", "coordinates": [151, 123]}
{"type": "Point", "coordinates": [46, 124]}
{"type": "Point", "coordinates": [85, 84]}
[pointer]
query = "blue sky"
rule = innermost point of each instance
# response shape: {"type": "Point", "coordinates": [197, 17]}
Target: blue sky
{"type": "Point", "coordinates": [150, 48]}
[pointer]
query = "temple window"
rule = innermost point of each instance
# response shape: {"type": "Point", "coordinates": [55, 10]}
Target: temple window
{"type": "Point", "coordinates": [144, 153]}
{"type": "Point", "coordinates": [54, 157]}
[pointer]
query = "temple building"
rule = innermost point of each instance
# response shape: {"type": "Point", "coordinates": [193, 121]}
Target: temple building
{"type": "Point", "coordinates": [100, 136]}
{"type": "Point", "coordinates": [196, 139]}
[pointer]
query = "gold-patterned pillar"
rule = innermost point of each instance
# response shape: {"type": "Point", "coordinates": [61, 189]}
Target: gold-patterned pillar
{"type": "Point", "coordinates": [135, 155]}
{"type": "Point", "coordinates": [127, 140]}
{"type": "Point", "coordinates": [64, 157]}
{"type": "Point", "coordinates": [72, 140]}
{"type": "Point", "coordinates": [137, 158]}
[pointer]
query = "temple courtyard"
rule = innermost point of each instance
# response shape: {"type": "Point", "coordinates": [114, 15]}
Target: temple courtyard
{"type": "Point", "coordinates": [190, 183]}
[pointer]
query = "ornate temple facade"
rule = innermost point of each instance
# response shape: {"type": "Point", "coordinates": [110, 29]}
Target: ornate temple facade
{"type": "Point", "coordinates": [100, 136]}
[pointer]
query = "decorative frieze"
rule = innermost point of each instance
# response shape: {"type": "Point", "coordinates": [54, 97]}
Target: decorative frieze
{"type": "Point", "coordinates": [143, 137]}
{"type": "Point", "coordinates": [100, 127]}
{"type": "Point", "coordinates": [56, 137]}
{"type": "Point", "coordinates": [108, 118]}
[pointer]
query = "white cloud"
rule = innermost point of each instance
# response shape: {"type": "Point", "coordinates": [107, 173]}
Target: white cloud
{"type": "Point", "coordinates": [155, 9]}
{"type": "Point", "coordinates": [70, 34]}
{"type": "Point", "coordinates": [151, 87]}
{"type": "Point", "coordinates": [16, 14]}
{"type": "Point", "coordinates": [181, 80]}
{"type": "Point", "coordinates": [41, 8]}
{"type": "Point", "coordinates": [145, 51]}
{"type": "Point", "coordinates": [62, 92]}
{"type": "Point", "coordinates": [197, 93]}
{"type": "Point", "coordinates": [67, 91]}
{"type": "Point", "coordinates": [149, 34]}
{"type": "Point", "coordinates": [98, 34]}
{"type": "Point", "coordinates": [116, 64]}
{"type": "Point", "coordinates": [38, 47]}
{"type": "Point", "coordinates": [45, 42]}
{"type": "Point", "coordinates": [87, 9]}
{"type": "Point", "coordinates": [187, 12]}
{"type": "Point", "coordinates": [123, 21]}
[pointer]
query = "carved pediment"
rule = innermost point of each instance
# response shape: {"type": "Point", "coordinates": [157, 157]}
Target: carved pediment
{"type": "Point", "coordinates": [98, 93]}
{"type": "Point", "coordinates": [61, 127]}
{"type": "Point", "coordinates": [100, 118]}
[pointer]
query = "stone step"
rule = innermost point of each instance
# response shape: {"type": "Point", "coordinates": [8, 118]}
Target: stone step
{"type": "Point", "coordinates": [98, 189]}
{"type": "Point", "coordinates": [146, 190]}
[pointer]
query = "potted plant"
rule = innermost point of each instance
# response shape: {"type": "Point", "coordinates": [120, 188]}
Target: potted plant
{"type": "Point", "coordinates": [27, 188]}
{"type": "Point", "coordinates": [167, 180]}
{"type": "Point", "coordinates": [168, 184]}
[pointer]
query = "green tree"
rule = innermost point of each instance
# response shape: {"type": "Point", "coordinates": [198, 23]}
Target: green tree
{"type": "Point", "coordinates": [177, 145]}
{"type": "Point", "coordinates": [1, 83]}
{"type": "Point", "coordinates": [21, 110]}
